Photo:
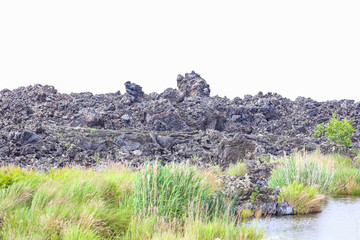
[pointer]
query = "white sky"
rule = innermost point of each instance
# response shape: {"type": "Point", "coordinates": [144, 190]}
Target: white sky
{"type": "Point", "coordinates": [295, 48]}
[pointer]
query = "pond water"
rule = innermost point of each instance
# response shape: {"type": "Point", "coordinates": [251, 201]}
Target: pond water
{"type": "Point", "coordinates": [340, 219]}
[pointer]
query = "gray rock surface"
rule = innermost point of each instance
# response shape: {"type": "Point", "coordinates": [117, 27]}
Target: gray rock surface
{"type": "Point", "coordinates": [37, 122]}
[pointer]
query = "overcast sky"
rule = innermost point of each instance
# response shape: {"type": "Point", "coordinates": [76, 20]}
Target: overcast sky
{"type": "Point", "coordinates": [295, 48]}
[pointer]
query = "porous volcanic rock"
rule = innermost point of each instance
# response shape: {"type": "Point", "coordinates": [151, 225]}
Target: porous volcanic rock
{"type": "Point", "coordinates": [40, 127]}
{"type": "Point", "coordinates": [193, 86]}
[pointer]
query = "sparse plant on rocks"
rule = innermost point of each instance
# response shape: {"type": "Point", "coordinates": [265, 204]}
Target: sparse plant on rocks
{"type": "Point", "coordinates": [254, 194]}
{"type": "Point", "coordinates": [97, 157]}
{"type": "Point", "coordinates": [336, 130]}
{"type": "Point", "coordinates": [239, 168]}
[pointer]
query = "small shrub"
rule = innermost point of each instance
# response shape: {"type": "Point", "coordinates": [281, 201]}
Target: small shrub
{"type": "Point", "coordinates": [319, 129]}
{"type": "Point", "coordinates": [339, 131]}
{"type": "Point", "coordinates": [303, 199]}
{"type": "Point", "coordinates": [10, 174]}
{"type": "Point", "coordinates": [238, 168]}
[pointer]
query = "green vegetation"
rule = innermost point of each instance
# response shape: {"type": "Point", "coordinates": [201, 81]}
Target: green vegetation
{"type": "Point", "coordinates": [156, 202]}
{"type": "Point", "coordinates": [65, 203]}
{"type": "Point", "coordinates": [254, 194]}
{"type": "Point", "coordinates": [339, 131]}
{"type": "Point", "coordinates": [220, 228]}
{"type": "Point", "coordinates": [97, 157]}
{"type": "Point", "coordinates": [175, 201]}
{"type": "Point", "coordinates": [348, 180]}
{"type": "Point", "coordinates": [9, 175]}
{"type": "Point", "coordinates": [168, 190]}
{"type": "Point", "coordinates": [328, 175]}
{"type": "Point", "coordinates": [238, 168]}
{"type": "Point", "coordinates": [303, 199]}
{"type": "Point", "coordinates": [307, 169]}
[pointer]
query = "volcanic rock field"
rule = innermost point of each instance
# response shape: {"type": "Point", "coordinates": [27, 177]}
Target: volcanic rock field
{"type": "Point", "coordinates": [42, 128]}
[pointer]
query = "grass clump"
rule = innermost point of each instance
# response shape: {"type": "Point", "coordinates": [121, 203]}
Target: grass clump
{"type": "Point", "coordinates": [307, 169]}
{"type": "Point", "coordinates": [348, 181]}
{"type": "Point", "coordinates": [302, 198]}
{"type": "Point", "coordinates": [194, 227]}
{"type": "Point", "coordinates": [80, 233]}
{"type": "Point", "coordinates": [167, 190]}
{"type": "Point", "coordinates": [199, 229]}
{"type": "Point", "coordinates": [330, 174]}
{"type": "Point", "coordinates": [238, 168]}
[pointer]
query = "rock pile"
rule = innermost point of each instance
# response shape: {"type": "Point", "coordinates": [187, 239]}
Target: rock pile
{"type": "Point", "coordinates": [40, 127]}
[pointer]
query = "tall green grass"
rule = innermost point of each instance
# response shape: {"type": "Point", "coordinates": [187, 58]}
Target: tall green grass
{"type": "Point", "coordinates": [168, 190]}
{"type": "Point", "coordinates": [330, 174]}
{"type": "Point", "coordinates": [348, 181]}
{"type": "Point", "coordinates": [199, 229]}
{"type": "Point", "coordinates": [157, 202]}
{"type": "Point", "coordinates": [65, 203]}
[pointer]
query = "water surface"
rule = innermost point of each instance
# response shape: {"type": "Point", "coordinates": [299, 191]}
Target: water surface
{"type": "Point", "coordinates": [340, 219]}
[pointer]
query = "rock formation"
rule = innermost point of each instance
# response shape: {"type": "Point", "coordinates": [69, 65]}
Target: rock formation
{"type": "Point", "coordinates": [37, 124]}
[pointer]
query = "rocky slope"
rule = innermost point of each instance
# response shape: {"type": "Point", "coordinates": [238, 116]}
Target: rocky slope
{"type": "Point", "coordinates": [40, 127]}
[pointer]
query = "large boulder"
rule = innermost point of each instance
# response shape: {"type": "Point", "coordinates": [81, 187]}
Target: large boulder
{"type": "Point", "coordinates": [134, 92]}
{"type": "Point", "coordinates": [192, 85]}
{"type": "Point", "coordinates": [133, 89]}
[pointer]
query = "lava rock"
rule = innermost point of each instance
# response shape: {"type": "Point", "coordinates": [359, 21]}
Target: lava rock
{"type": "Point", "coordinates": [134, 89]}
{"type": "Point", "coordinates": [186, 122]}
{"type": "Point", "coordinates": [30, 137]}
{"type": "Point", "coordinates": [284, 208]}
{"type": "Point", "coordinates": [192, 85]}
